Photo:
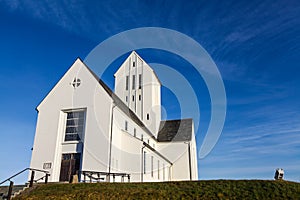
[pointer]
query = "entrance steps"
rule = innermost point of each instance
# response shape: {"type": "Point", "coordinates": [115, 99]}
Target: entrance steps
{"type": "Point", "coordinates": [17, 189]}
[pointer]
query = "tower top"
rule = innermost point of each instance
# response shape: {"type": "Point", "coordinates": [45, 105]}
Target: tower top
{"type": "Point", "coordinates": [138, 86]}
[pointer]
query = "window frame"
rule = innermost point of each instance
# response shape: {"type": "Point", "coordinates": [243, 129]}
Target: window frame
{"type": "Point", "coordinates": [74, 125]}
{"type": "Point", "coordinates": [152, 159]}
{"type": "Point", "coordinates": [144, 162]}
{"type": "Point", "coordinates": [127, 83]}
{"type": "Point", "coordinates": [140, 81]}
{"type": "Point", "coordinates": [126, 125]}
{"type": "Point", "coordinates": [133, 82]}
{"type": "Point", "coordinates": [158, 166]}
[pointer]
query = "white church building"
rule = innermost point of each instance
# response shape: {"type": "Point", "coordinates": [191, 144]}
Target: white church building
{"type": "Point", "coordinates": [85, 129]}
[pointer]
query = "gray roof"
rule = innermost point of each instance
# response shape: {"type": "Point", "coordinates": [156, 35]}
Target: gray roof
{"type": "Point", "coordinates": [175, 130]}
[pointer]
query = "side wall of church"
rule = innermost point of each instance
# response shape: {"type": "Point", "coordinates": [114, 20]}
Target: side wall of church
{"type": "Point", "coordinates": [130, 155]}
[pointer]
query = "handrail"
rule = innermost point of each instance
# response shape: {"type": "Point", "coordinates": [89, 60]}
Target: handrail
{"type": "Point", "coordinates": [38, 170]}
{"type": "Point", "coordinates": [40, 178]}
{"type": "Point", "coordinates": [14, 175]}
{"type": "Point", "coordinates": [104, 173]}
{"type": "Point", "coordinates": [90, 175]}
{"type": "Point", "coordinates": [31, 169]}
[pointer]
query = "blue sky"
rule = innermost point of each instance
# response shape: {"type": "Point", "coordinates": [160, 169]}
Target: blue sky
{"type": "Point", "coordinates": [256, 46]}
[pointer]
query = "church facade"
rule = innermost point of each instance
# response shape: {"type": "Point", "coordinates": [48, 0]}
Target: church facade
{"type": "Point", "coordinates": [85, 128]}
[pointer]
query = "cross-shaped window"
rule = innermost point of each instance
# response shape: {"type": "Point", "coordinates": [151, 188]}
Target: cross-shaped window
{"type": "Point", "coordinates": [76, 82]}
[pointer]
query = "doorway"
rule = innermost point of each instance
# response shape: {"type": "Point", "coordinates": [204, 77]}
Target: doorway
{"type": "Point", "coordinates": [70, 165]}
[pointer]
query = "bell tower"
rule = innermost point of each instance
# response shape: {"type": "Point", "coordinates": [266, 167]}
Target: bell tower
{"type": "Point", "coordinates": [140, 89]}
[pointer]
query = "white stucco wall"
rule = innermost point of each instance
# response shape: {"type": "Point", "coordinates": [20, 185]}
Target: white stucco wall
{"type": "Point", "coordinates": [126, 151]}
{"type": "Point", "coordinates": [150, 91]}
{"type": "Point", "coordinates": [49, 138]}
{"type": "Point", "coordinates": [177, 152]}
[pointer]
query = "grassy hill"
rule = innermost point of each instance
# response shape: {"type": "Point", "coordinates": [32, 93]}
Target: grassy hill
{"type": "Point", "coordinates": [214, 189]}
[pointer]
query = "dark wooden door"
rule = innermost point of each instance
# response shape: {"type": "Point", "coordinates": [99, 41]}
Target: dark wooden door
{"type": "Point", "coordinates": [70, 165]}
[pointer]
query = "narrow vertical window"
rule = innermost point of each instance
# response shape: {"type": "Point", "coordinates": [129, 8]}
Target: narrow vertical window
{"type": "Point", "coordinates": [148, 116]}
{"type": "Point", "coordinates": [151, 166]}
{"type": "Point", "coordinates": [126, 126]}
{"type": "Point", "coordinates": [164, 171]}
{"type": "Point", "coordinates": [127, 82]}
{"type": "Point", "coordinates": [142, 137]}
{"type": "Point", "coordinates": [148, 141]}
{"type": "Point", "coordinates": [144, 162]}
{"type": "Point", "coordinates": [140, 81]}
{"type": "Point", "coordinates": [158, 169]}
{"type": "Point", "coordinates": [134, 132]}
{"type": "Point", "coordinates": [133, 64]}
{"type": "Point", "coordinates": [126, 98]}
{"type": "Point", "coordinates": [132, 97]}
{"type": "Point", "coordinates": [133, 82]}
{"type": "Point", "coordinates": [140, 97]}
{"type": "Point", "coordinates": [74, 126]}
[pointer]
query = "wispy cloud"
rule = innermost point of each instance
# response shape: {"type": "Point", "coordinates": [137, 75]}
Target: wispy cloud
{"type": "Point", "coordinates": [68, 15]}
{"type": "Point", "coordinates": [256, 141]}
{"type": "Point", "coordinates": [255, 45]}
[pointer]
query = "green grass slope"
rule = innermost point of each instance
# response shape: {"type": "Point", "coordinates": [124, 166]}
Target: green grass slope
{"type": "Point", "coordinates": [214, 189]}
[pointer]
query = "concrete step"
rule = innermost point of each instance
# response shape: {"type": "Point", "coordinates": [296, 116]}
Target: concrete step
{"type": "Point", "coordinates": [16, 189]}
{"type": "Point", "coordinates": [20, 191]}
